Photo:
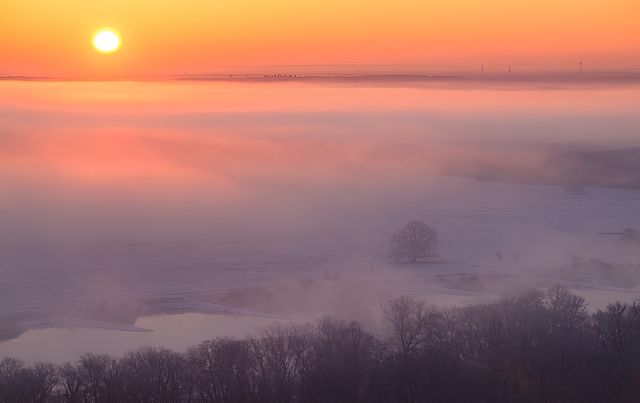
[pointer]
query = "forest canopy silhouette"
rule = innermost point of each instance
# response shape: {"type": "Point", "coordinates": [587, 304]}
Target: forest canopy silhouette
{"type": "Point", "coordinates": [542, 346]}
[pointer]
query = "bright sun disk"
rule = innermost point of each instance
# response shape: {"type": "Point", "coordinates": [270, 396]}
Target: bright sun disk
{"type": "Point", "coordinates": [106, 41]}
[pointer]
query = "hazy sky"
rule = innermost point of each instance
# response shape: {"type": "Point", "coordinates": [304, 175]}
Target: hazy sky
{"type": "Point", "coordinates": [163, 36]}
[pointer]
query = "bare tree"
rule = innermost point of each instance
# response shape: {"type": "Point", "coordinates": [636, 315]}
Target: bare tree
{"type": "Point", "coordinates": [280, 356]}
{"type": "Point", "coordinates": [99, 373]}
{"type": "Point", "coordinates": [340, 358]}
{"type": "Point", "coordinates": [568, 310]}
{"type": "Point", "coordinates": [72, 385]}
{"type": "Point", "coordinates": [415, 242]}
{"type": "Point", "coordinates": [41, 380]}
{"type": "Point", "coordinates": [221, 370]}
{"type": "Point", "coordinates": [154, 374]}
{"type": "Point", "coordinates": [617, 327]}
{"type": "Point", "coordinates": [412, 324]}
{"type": "Point", "coordinates": [11, 374]}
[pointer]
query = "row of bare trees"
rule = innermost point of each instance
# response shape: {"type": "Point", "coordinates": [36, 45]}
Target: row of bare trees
{"type": "Point", "coordinates": [539, 347]}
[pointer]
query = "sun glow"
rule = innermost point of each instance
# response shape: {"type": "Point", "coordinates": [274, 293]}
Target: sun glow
{"type": "Point", "coordinates": [106, 41]}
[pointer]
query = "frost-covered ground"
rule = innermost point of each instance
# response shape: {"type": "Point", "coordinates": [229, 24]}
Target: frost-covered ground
{"type": "Point", "coordinates": [538, 230]}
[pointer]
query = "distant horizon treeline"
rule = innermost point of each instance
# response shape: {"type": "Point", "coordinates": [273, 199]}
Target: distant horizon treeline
{"type": "Point", "coordinates": [540, 347]}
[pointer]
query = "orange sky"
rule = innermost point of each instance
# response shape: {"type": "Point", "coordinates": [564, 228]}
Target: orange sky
{"type": "Point", "coordinates": [53, 37]}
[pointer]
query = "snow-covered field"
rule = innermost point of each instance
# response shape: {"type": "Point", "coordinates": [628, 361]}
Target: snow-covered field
{"type": "Point", "coordinates": [147, 225]}
{"type": "Point", "coordinates": [537, 229]}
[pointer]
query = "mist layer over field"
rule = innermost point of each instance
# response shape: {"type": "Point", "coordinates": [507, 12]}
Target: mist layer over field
{"type": "Point", "coordinates": [276, 201]}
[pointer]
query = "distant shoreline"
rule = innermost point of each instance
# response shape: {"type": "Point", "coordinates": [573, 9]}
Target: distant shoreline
{"type": "Point", "coordinates": [604, 77]}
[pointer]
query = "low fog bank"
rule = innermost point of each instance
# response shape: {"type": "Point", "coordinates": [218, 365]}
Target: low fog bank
{"type": "Point", "coordinates": [279, 200]}
{"type": "Point", "coordinates": [565, 165]}
{"type": "Point", "coordinates": [106, 256]}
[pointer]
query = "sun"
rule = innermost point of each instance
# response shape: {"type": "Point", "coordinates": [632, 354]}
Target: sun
{"type": "Point", "coordinates": [106, 41]}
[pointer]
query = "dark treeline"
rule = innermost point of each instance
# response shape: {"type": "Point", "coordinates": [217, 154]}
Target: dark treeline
{"type": "Point", "coordinates": [539, 347]}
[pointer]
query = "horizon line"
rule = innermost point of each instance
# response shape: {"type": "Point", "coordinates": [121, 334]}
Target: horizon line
{"type": "Point", "coordinates": [479, 74]}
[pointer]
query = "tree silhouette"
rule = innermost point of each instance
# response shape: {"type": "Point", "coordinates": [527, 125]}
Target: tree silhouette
{"type": "Point", "coordinates": [415, 242]}
{"type": "Point", "coordinates": [536, 347]}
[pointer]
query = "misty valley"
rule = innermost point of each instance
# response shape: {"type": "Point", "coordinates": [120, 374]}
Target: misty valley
{"type": "Point", "coordinates": [258, 216]}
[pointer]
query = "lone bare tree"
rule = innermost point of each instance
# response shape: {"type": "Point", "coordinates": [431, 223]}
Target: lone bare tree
{"type": "Point", "coordinates": [415, 242]}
